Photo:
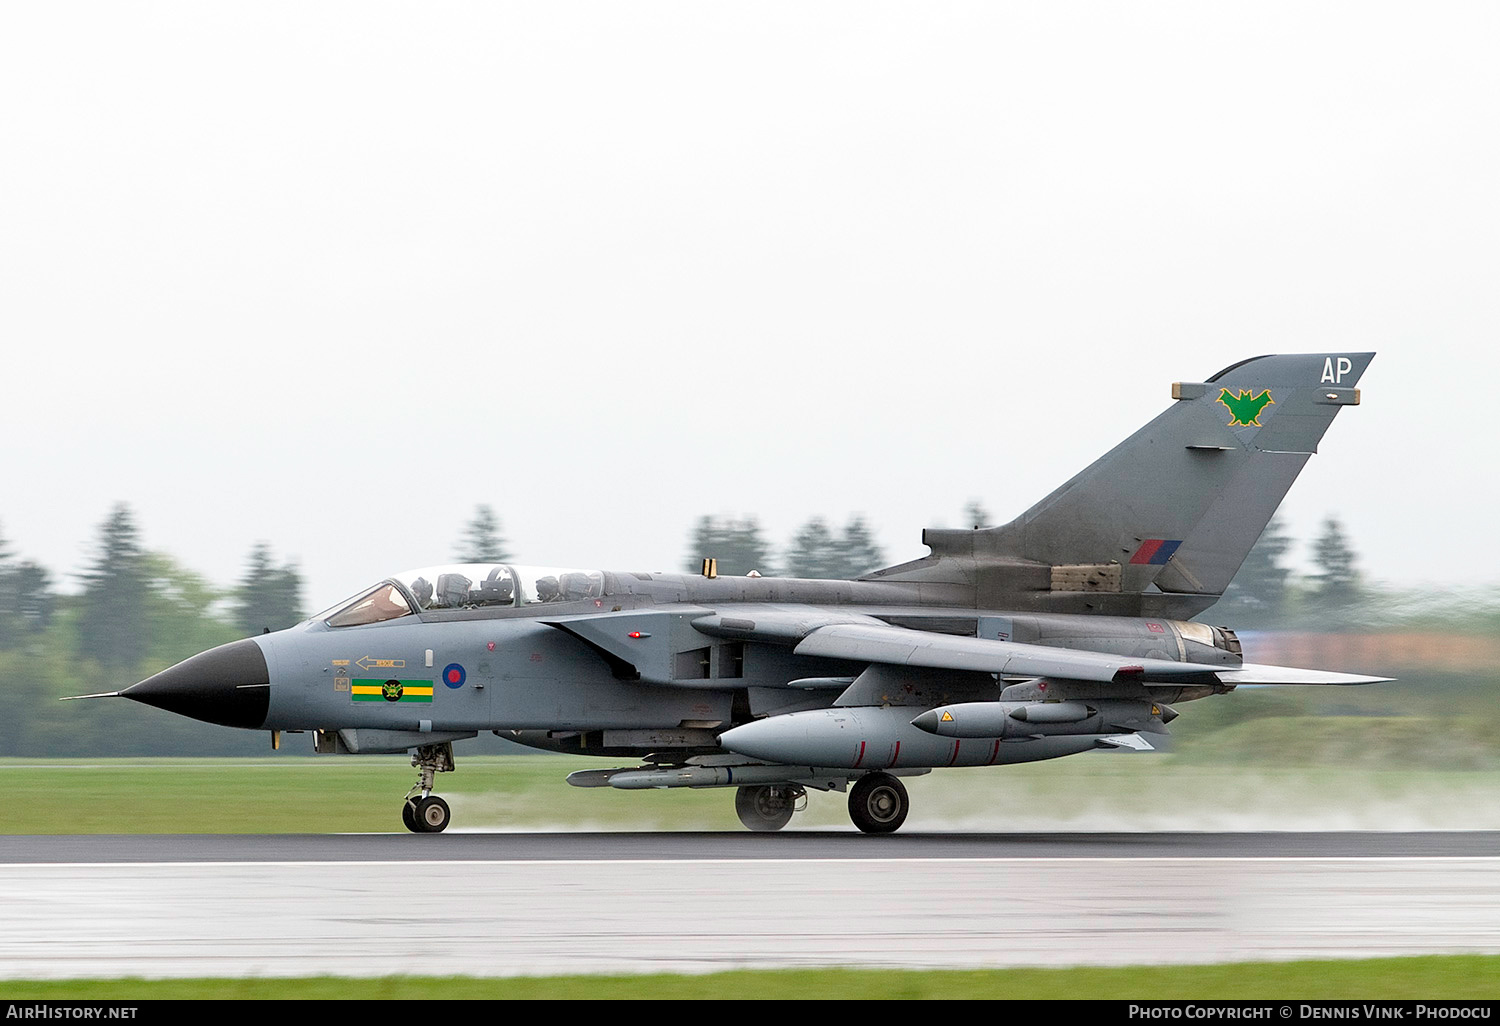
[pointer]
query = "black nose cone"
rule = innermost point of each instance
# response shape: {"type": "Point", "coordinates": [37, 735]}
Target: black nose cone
{"type": "Point", "coordinates": [229, 685]}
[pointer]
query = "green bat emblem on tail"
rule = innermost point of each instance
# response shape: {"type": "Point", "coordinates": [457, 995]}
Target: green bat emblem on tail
{"type": "Point", "coordinates": [1245, 408]}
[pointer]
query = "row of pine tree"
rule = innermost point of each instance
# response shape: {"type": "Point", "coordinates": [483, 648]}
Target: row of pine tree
{"type": "Point", "coordinates": [128, 592]}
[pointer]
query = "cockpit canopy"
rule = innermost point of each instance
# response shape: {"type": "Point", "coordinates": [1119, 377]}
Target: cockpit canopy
{"type": "Point", "coordinates": [464, 586]}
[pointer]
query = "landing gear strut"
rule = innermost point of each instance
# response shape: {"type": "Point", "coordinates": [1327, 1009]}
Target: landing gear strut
{"type": "Point", "coordinates": [424, 812]}
{"type": "Point", "coordinates": [766, 807]}
{"type": "Point", "coordinates": [878, 803]}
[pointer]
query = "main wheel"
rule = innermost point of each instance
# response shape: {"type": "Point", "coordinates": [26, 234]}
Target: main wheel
{"type": "Point", "coordinates": [764, 807]}
{"type": "Point", "coordinates": [878, 803]}
{"type": "Point", "coordinates": [409, 816]}
{"type": "Point", "coordinates": [431, 815]}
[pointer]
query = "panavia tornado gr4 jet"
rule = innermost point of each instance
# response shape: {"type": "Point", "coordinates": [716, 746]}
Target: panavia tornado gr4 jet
{"type": "Point", "coordinates": [1065, 631]}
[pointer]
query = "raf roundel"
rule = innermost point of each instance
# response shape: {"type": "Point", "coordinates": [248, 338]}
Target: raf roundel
{"type": "Point", "coordinates": [454, 675]}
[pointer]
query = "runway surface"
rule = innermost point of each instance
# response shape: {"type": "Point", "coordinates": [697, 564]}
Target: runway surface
{"type": "Point", "coordinates": [514, 903]}
{"type": "Point", "coordinates": [622, 845]}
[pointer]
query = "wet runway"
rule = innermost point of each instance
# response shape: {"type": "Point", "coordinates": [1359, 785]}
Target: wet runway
{"type": "Point", "coordinates": [514, 903]}
{"type": "Point", "coordinates": [793, 844]}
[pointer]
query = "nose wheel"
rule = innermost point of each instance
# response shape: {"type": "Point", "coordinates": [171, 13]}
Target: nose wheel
{"type": "Point", "coordinates": [424, 812]}
{"type": "Point", "coordinates": [427, 815]}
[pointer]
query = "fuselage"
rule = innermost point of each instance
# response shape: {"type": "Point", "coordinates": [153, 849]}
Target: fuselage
{"type": "Point", "coordinates": [624, 663]}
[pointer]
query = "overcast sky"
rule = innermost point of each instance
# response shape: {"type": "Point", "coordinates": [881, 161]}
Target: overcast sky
{"type": "Point", "coordinates": [329, 275]}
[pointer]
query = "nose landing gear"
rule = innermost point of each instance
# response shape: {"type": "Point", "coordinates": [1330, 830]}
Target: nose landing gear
{"type": "Point", "coordinates": [423, 812]}
{"type": "Point", "coordinates": [427, 815]}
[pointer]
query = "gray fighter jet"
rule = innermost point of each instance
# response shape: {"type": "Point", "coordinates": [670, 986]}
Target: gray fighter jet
{"type": "Point", "coordinates": [1067, 630]}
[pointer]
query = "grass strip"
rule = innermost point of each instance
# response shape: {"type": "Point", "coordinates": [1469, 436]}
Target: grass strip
{"type": "Point", "coordinates": [328, 794]}
{"type": "Point", "coordinates": [1451, 977]}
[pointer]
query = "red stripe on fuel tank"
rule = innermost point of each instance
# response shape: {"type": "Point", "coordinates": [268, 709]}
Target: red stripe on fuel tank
{"type": "Point", "coordinates": [896, 754]}
{"type": "Point", "coordinates": [996, 753]}
{"type": "Point", "coordinates": [954, 758]}
{"type": "Point", "coordinates": [861, 755]}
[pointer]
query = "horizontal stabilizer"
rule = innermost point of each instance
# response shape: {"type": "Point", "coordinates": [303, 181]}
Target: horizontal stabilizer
{"type": "Point", "coordinates": [1128, 742]}
{"type": "Point", "coordinates": [1253, 673]}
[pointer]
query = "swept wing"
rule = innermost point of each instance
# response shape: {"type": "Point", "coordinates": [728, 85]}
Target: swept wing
{"type": "Point", "coordinates": [871, 641]}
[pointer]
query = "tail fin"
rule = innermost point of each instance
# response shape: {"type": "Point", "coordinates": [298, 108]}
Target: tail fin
{"type": "Point", "coordinates": [1179, 503]}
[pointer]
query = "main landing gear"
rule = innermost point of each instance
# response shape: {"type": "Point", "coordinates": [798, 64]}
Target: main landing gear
{"type": "Point", "coordinates": [424, 812]}
{"type": "Point", "coordinates": [878, 803]}
{"type": "Point", "coordinates": [766, 807]}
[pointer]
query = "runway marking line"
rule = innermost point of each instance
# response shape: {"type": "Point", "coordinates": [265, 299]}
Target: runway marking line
{"type": "Point", "coordinates": [345, 863]}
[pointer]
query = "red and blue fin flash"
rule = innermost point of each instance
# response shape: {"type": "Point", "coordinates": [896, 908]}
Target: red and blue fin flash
{"type": "Point", "coordinates": [1155, 551]}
